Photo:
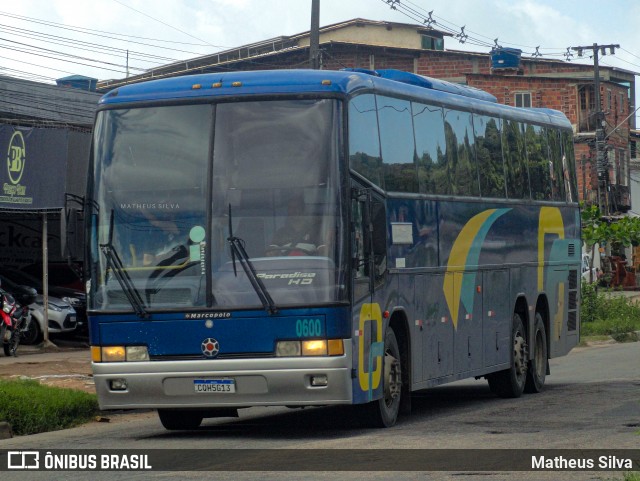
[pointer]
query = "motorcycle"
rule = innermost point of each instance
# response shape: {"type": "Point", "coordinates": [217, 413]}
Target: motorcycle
{"type": "Point", "coordinates": [15, 317]}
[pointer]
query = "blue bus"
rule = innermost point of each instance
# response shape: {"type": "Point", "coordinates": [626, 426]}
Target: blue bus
{"type": "Point", "coordinates": [312, 238]}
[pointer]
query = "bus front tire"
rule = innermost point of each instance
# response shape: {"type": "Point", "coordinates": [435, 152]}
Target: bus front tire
{"type": "Point", "coordinates": [537, 371]}
{"type": "Point", "coordinates": [174, 420]}
{"type": "Point", "coordinates": [383, 413]}
{"type": "Point", "coordinates": [510, 382]}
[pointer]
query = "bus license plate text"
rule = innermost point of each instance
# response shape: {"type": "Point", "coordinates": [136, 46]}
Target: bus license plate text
{"type": "Point", "coordinates": [214, 386]}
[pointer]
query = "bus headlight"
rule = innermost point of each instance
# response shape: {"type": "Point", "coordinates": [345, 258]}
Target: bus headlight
{"type": "Point", "coordinates": [113, 354]}
{"type": "Point", "coordinates": [288, 348]}
{"type": "Point", "coordinates": [119, 353]}
{"type": "Point", "coordinates": [313, 347]}
{"type": "Point", "coordinates": [137, 353]}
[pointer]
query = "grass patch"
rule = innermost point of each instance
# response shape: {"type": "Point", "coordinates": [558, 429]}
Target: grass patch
{"type": "Point", "coordinates": [631, 476]}
{"type": "Point", "coordinates": [604, 314]}
{"type": "Point", "coordinates": [31, 407]}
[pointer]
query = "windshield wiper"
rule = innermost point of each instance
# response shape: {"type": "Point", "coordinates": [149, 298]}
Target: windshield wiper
{"type": "Point", "coordinates": [238, 250]}
{"type": "Point", "coordinates": [115, 264]}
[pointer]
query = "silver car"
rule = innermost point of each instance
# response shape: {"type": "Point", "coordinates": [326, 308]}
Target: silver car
{"type": "Point", "coordinates": [62, 318]}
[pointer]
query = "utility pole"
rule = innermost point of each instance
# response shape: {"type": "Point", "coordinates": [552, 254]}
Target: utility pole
{"type": "Point", "coordinates": [602, 162]}
{"type": "Point", "coordinates": [314, 35]}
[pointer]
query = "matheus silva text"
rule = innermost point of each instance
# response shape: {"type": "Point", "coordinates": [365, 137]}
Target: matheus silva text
{"type": "Point", "coordinates": [560, 462]}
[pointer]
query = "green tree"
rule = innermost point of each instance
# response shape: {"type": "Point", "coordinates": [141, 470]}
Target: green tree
{"type": "Point", "coordinates": [598, 230]}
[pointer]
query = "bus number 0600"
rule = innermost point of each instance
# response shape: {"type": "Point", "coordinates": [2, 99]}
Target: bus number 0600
{"type": "Point", "coordinates": [308, 327]}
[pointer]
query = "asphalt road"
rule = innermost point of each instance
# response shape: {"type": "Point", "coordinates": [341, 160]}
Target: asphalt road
{"type": "Point", "coordinates": [591, 401]}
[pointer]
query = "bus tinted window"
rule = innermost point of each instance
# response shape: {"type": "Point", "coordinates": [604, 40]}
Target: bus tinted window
{"type": "Point", "coordinates": [539, 165]}
{"type": "Point", "coordinates": [396, 138]}
{"type": "Point", "coordinates": [558, 191]}
{"type": "Point", "coordinates": [460, 152]}
{"type": "Point", "coordinates": [489, 154]}
{"type": "Point", "coordinates": [364, 144]}
{"type": "Point", "coordinates": [515, 165]}
{"type": "Point", "coordinates": [431, 150]}
{"type": "Point", "coordinates": [569, 167]}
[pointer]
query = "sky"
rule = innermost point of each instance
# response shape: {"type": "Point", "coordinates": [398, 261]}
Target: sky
{"type": "Point", "coordinates": [48, 39]}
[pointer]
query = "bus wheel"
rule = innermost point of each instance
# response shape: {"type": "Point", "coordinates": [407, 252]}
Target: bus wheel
{"type": "Point", "coordinates": [538, 365]}
{"type": "Point", "coordinates": [510, 382]}
{"type": "Point", "coordinates": [173, 419]}
{"type": "Point", "coordinates": [383, 413]}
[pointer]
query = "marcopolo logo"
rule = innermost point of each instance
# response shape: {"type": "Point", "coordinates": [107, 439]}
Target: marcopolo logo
{"type": "Point", "coordinates": [16, 157]}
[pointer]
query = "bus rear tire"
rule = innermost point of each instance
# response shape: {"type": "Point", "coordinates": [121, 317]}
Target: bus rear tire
{"type": "Point", "coordinates": [537, 372]}
{"type": "Point", "coordinates": [383, 413]}
{"type": "Point", "coordinates": [510, 382]}
{"type": "Point", "coordinates": [173, 419]}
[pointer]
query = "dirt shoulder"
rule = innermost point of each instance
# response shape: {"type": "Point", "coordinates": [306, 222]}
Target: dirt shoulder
{"type": "Point", "coordinates": [61, 367]}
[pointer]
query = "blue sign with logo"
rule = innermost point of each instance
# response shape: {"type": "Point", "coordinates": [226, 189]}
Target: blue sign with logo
{"type": "Point", "coordinates": [33, 171]}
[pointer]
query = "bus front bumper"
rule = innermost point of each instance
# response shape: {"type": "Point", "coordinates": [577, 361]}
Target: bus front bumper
{"type": "Point", "coordinates": [299, 381]}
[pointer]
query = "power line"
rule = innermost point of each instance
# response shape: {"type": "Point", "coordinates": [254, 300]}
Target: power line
{"type": "Point", "coordinates": [77, 44]}
{"type": "Point", "coordinates": [91, 31]}
{"type": "Point", "coordinates": [41, 66]}
{"type": "Point", "coordinates": [26, 48]}
{"type": "Point", "coordinates": [103, 34]}
{"type": "Point", "coordinates": [166, 24]}
{"type": "Point", "coordinates": [413, 11]}
{"type": "Point", "coordinates": [69, 61]}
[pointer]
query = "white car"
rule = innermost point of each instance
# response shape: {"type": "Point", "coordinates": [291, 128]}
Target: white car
{"type": "Point", "coordinates": [62, 318]}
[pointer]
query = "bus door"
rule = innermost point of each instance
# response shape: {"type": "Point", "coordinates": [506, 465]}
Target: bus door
{"type": "Point", "coordinates": [368, 266]}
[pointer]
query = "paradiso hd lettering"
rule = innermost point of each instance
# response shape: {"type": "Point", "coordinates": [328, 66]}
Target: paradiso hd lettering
{"type": "Point", "coordinates": [301, 278]}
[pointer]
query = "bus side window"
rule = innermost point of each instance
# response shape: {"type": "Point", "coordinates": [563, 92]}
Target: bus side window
{"type": "Point", "coordinates": [515, 161]}
{"type": "Point", "coordinates": [557, 176]}
{"type": "Point", "coordinates": [361, 284]}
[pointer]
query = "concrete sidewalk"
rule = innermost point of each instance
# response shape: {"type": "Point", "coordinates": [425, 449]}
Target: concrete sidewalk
{"type": "Point", "coordinates": [68, 367]}
{"type": "Point", "coordinates": [32, 355]}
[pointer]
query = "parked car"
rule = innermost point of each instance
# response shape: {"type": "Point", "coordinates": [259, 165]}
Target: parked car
{"type": "Point", "coordinates": [76, 298]}
{"type": "Point", "coordinates": [62, 316]}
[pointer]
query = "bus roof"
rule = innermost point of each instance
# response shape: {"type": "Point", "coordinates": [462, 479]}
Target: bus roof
{"type": "Point", "coordinates": [342, 82]}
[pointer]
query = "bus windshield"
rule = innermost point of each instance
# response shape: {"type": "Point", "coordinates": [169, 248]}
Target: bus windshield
{"type": "Point", "coordinates": [176, 186]}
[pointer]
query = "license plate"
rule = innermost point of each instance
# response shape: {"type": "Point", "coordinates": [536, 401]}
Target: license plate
{"type": "Point", "coordinates": [222, 386]}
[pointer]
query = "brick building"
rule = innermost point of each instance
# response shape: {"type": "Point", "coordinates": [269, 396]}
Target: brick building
{"type": "Point", "coordinates": [532, 82]}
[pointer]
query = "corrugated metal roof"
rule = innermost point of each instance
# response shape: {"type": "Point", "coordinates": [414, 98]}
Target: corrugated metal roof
{"type": "Point", "coordinates": [39, 101]}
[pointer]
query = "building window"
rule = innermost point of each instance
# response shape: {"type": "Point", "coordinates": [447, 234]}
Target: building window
{"type": "Point", "coordinates": [432, 43]}
{"type": "Point", "coordinates": [609, 100]}
{"type": "Point", "coordinates": [621, 108]}
{"type": "Point", "coordinates": [523, 99]}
